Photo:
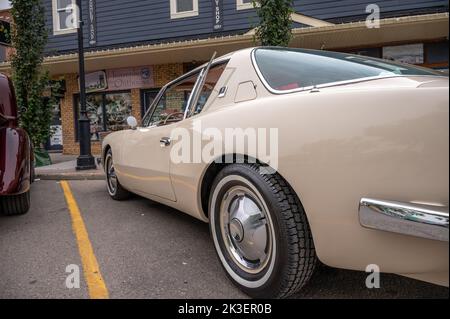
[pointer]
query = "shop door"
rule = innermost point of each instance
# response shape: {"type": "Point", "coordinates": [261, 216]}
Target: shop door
{"type": "Point", "coordinates": [55, 142]}
{"type": "Point", "coordinates": [148, 96]}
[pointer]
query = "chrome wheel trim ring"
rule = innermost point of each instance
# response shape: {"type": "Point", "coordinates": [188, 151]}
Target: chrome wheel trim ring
{"type": "Point", "coordinates": [245, 230]}
{"type": "Point", "coordinates": [111, 178]}
{"type": "Point", "coordinates": [271, 260]}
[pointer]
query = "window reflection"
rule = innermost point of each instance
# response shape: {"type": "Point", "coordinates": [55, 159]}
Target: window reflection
{"type": "Point", "coordinates": [172, 105]}
{"type": "Point", "coordinates": [107, 112]}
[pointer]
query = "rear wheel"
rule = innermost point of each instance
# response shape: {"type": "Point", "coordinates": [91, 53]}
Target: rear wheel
{"type": "Point", "coordinates": [15, 204]}
{"type": "Point", "coordinates": [260, 232]}
{"type": "Point", "coordinates": [115, 190]}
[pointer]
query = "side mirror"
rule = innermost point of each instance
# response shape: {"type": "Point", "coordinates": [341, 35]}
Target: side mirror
{"type": "Point", "coordinates": [132, 122]}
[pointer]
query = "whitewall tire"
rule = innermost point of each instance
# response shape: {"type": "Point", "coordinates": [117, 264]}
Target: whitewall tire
{"type": "Point", "coordinates": [260, 232]}
{"type": "Point", "coordinates": [115, 189]}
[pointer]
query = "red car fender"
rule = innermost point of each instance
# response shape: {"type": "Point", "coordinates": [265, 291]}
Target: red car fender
{"type": "Point", "coordinates": [15, 161]}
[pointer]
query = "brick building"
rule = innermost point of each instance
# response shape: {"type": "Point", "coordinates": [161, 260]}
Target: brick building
{"type": "Point", "coordinates": [134, 47]}
{"type": "Point", "coordinates": [5, 22]}
{"type": "Point", "coordinates": [134, 98]}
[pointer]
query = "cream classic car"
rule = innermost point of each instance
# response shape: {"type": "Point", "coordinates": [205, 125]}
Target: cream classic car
{"type": "Point", "coordinates": [332, 157]}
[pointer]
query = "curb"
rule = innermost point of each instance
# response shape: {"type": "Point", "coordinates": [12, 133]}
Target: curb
{"type": "Point", "coordinates": [70, 176]}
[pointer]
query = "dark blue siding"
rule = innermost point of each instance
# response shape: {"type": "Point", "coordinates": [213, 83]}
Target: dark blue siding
{"type": "Point", "coordinates": [331, 9]}
{"type": "Point", "coordinates": [121, 22]}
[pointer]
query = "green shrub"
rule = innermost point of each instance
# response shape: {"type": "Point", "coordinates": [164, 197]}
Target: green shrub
{"type": "Point", "coordinates": [29, 37]}
{"type": "Point", "coordinates": [275, 22]}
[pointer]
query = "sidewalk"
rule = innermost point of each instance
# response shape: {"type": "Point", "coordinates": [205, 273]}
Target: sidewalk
{"type": "Point", "coordinates": [64, 168]}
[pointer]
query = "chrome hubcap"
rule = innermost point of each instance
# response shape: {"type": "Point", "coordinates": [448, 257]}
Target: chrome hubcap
{"type": "Point", "coordinates": [237, 230]}
{"type": "Point", "coordinates": [245, 229]}
{"type": "Point", "coordinates": [111, 174]}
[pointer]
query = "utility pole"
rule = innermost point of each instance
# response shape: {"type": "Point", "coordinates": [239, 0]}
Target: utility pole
{"type": "Point", "coordinates": [85, 161]}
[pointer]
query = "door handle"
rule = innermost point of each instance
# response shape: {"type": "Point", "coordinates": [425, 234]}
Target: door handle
{"type": "Point", "coordinates": [165, 141]}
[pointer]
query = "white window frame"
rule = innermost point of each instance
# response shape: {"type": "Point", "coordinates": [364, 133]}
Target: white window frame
{"type": "Point", "coordinates": [174, 14]}
{"type": "Point", "coordinates": [56, 23]}
{"type": "Point", "coordinates": [241, 5]}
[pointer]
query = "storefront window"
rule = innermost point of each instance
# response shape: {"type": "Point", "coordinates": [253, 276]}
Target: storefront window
{"type": "Point", "coordinates": [118, 109]}
{"type": "Point", "coordinates": [106, 111]}
{"type": "Point", "coordinates": [409, 53]}
{"type": "Point", "coordinates": [432, 55]}
{"type": "Point", "coordinates": [94, 105]}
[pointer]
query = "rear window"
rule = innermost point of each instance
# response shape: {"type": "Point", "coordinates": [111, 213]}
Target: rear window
{"type": "Point", "coordinates": [291, 69]}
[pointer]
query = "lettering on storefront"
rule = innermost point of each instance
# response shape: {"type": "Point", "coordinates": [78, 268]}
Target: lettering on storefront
{"type": "Point", "coordinates": [120, 79]}
{"type": "Point", "coordinates": [130, 78]}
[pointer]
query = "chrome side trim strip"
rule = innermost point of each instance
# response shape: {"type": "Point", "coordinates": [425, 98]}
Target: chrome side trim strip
{"type": "Point", "coordinates": [423, 221]}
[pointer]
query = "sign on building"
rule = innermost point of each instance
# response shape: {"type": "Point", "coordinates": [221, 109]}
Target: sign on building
{"type": "Point", "coordinates": [57, 137]}
{"type": "Point", "coordinates": [96, 81]}
{"type": "Point", "coordinates": [130, 78]}
{"type": "Point", "coordinates": [92, 24]}
{"type": "Point", "coordinates": [120, 79]}
{"type": "Point", "coordinates": [217, 15]}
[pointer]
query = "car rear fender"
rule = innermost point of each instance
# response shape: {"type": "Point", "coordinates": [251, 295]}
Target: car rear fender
{"type": "Point", "coordinates": [15, 161]}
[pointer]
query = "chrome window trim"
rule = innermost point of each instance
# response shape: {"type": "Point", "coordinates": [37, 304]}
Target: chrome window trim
{"type": "Point", "coordinates": [325, 85]}
{"type": "Point", "coordinates": [195, 89]}
{"type": "Point", "coordinates": [151, 109]}
{"type": "Point", "coordinates": [215, 63]}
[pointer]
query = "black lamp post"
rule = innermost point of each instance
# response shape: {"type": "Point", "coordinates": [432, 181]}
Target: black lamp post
{"type": "Point", "coordinates": [85, 161]}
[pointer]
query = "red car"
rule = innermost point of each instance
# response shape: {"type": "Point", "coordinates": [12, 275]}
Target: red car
{"type": "Point", "coordinates": [16, 156]}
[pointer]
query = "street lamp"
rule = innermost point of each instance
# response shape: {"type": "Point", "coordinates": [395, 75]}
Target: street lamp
{"type": "Point", "coordinates": [85, 161]}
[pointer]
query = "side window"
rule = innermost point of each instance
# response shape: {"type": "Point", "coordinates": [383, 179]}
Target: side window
{"type": "Point", "coordinates": [172, 104]}
{"type": "Point", "coordinates": [212, 78]}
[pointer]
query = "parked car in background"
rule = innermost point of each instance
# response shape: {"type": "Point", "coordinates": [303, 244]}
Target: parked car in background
{"type": "Point", "coordinates": [16, 156]}
{"type": "Point", "coordinates": [361, 175]}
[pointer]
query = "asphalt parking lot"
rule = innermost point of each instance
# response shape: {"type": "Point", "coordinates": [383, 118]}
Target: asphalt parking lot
{"type": "Point", "coordinates": [143, 250]}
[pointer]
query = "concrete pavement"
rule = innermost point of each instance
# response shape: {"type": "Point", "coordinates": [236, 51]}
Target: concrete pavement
{"type": "Point", "coordinates": [36, 248]}
{"type": "Point", "coordinates": [144, 250]}
{"type": "Point", "coordinates": [64, 168]}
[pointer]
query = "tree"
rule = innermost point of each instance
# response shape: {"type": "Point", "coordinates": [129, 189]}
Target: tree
{"type": "Point", "coordinates": [29, 37]}
{"type": "Point", "coordinates": [274, 21]}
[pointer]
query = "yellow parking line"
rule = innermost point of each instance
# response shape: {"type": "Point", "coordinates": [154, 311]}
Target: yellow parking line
{"type": "Point", "coordinates": [96, 285]}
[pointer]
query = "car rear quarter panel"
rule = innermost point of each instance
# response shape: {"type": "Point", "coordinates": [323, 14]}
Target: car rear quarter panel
{"type": "Point", "coordinates": [336, 146]}
{"type": "Point", "coordinates": [339, 145]}
{"type": "Point", "coordinates": [388, 144]}
{"type": "Point", "coordinates": [15, 152]}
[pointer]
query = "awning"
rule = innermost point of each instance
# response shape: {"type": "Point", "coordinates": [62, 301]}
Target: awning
{"type": "Point", "coordinates": [329, 37]}
{"type": "Point", "coordinates": [356, 34]}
